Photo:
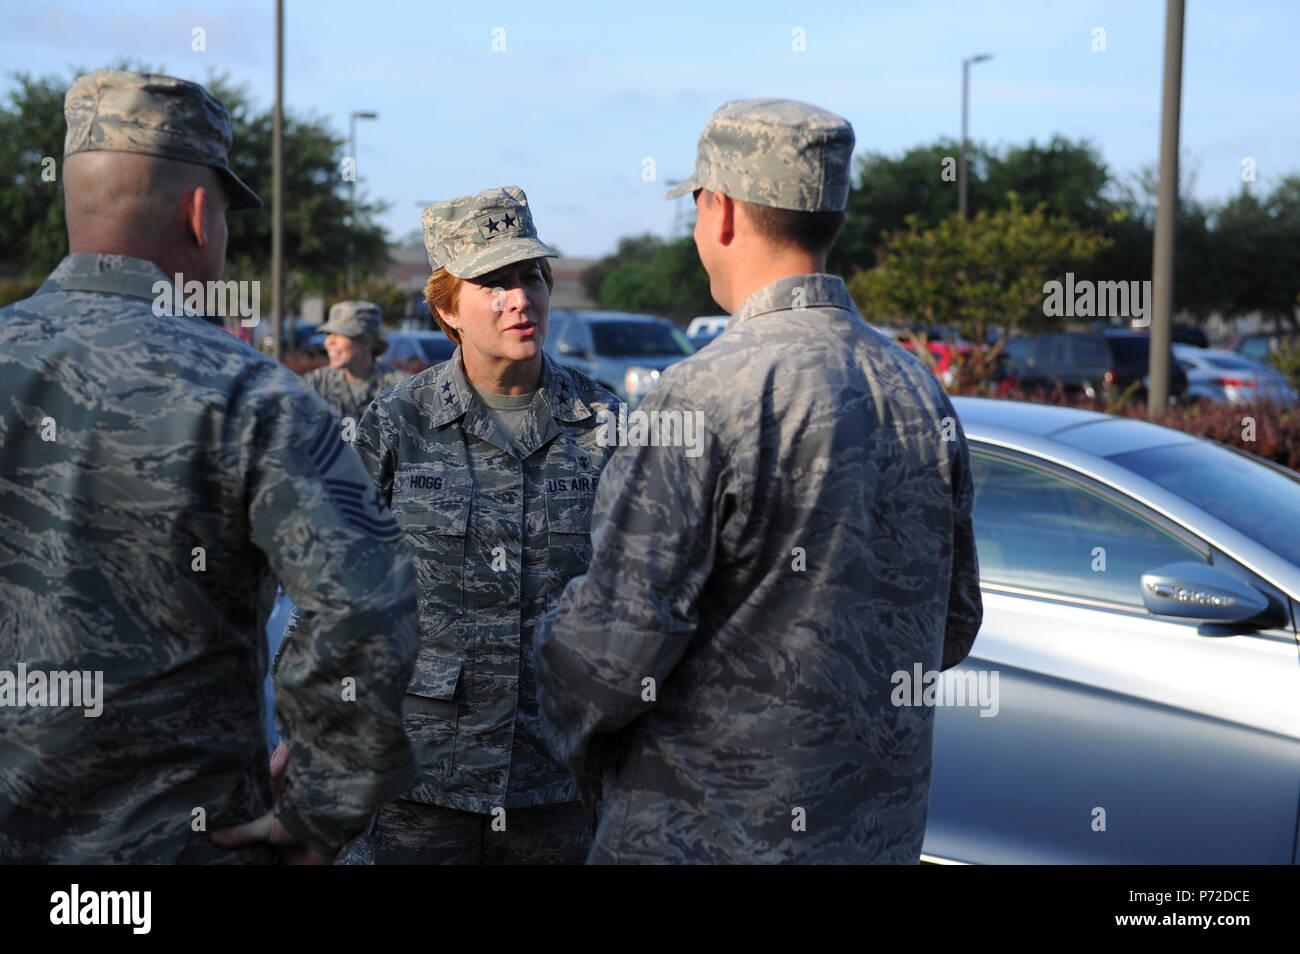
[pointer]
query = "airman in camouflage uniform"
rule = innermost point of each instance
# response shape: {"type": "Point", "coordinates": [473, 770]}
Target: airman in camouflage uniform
{"type": "Point", "coordinates": [349, 396]}
{"type": "Point", "coordinates": [725, 665]}
{"type": "Point", "coordinates": [154, 469]}
{"type": "Point", "coordinates": [496, 508]}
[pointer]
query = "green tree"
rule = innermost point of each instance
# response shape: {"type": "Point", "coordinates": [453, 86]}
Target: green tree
{"type": "Point", "coordinates": [1070, 178]}
{"type": "Point", "coordinates": [886, 190]}
{"type": "Point", "coordinates": [32, 234]}
{"type": "Point", "coordinates": [647, 274]}
{"type": "Point", "coordinates": [1199, 275]}
{"type": "Point", "coordinates": [1256, 245]}
{"type": "Point", "coordinates": [634, 248]}
{"type": "Point", "coordinates": [317, 229]}
{"type": "Point", "coordinates": [970, 275]}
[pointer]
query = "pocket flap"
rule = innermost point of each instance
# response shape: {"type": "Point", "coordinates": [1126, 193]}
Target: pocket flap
{"type": "Point", "coordinates": [435, 677]}
{"type": "Point", "coordinates": [570, 513]}
{"type": "Point", "coordinates": [431, 503]}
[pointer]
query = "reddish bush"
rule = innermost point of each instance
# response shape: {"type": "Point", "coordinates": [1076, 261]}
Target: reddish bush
{"type": "Point", "coordinates": [1276, 430]}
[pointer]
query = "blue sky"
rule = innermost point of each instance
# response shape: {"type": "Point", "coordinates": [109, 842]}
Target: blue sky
{"type": "Point", "coordinates": [583, 93]}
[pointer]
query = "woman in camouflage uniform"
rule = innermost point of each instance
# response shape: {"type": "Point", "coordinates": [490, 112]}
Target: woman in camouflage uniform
{"type": "Point", "coordinates": [489, 463]}
{"type": "Point", "coordinates": [354, 375]}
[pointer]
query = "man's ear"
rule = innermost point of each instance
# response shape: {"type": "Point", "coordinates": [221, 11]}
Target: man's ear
{"type": "Point", "coordinates": [194, 205]}
{"type": "Point", "coordinates": [726, 218]}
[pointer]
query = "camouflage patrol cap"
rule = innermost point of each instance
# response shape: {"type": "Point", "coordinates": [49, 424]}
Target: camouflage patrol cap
{"type": "Point", "coordinates": [775, 152]}
{"type": "Point", "coordinates": [477, 234]}
{"type": "Point", "coordinates": [153, 115]}
{"type": "Point", "coordinates": [352, 319]}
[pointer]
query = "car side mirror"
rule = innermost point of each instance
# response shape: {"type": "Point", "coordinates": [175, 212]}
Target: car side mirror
{"type": "Point", "coordinates": [1198, 591]}
{"type": "Point", "coordinates": [572, 352]}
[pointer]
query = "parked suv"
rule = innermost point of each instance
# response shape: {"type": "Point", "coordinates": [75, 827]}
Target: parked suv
{"type": "Point", "coordinates": [623, 352]}
{"type": "Point", "coordinates": [1093, 363]}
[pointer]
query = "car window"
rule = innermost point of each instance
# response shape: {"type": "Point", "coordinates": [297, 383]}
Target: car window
{"type": "Point", "coordinates": [1262, 502]}
{"type": "Point", "coordinates": [1085, 350]}
{"type": "Point", "coordinates": [1255, 348]}
{"type": "Point", "coordinates": [1040, 352]}
{"type": "Point", "coordinates": [555, 327]}
{"type": "Point", "coordinates": [436, 349]}
{"type": "Point", "coordinates": [1017, 348]}
{"type": "Point", "coordinates": [576, 336]}
{"type": "Point", "coordinates": [1230, 364]}
{"type": "Point", "coordinates": [1039, 530]}
{"type": "Point", "coordinates": [639, 339]}
{"type": "Point", "coordinates": [1131, 350]}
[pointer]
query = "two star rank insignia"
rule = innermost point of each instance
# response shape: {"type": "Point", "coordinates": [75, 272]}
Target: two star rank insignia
{"type": "Point", "coordinates": [492, 224]}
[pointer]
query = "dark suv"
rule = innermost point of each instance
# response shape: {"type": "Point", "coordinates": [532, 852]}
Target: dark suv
{"type": "Point", "coordinates": [1093, 363]}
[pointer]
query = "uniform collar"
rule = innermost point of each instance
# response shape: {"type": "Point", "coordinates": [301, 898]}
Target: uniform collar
{"type": "Point", "coordinates": [795, 293]}
{"type": "Point", "coordinates": [110, 274]}
{"type": "Point", "coordinates": [453, 397]}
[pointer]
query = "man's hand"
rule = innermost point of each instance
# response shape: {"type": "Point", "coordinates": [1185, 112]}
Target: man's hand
{"type": "Point", "coordinates": [590, 790]}
{"type": "Point", "coordinates": [268, 829]}
{"type": "Point", "coordinates": [279, 762]}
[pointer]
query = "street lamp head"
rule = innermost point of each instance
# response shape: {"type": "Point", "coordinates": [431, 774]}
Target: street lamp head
{"type": "Point", "coordinates": [365, 115]}
{"type": "Point", "coordinates": [981, 58]}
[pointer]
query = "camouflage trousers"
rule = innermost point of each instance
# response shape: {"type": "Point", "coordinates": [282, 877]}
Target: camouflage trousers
{"type": "Point", "coordinates": [414, 833]}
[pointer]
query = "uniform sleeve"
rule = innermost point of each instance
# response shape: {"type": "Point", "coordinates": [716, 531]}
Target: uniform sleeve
{"type": "Point", "coordinates": [965, 605]}
{"type": "Point", "coordinates": [343, 669]}
{"type": "Point", "coordinates": [376, 446]}
{"type": "Point", "coordinates": [633, 614]}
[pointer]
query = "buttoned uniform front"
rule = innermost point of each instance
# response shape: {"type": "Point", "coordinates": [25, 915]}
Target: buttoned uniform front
{"type": "Point", "coordinates": [349, 399]}
{"type": "Point", "coordinates": [765, 590]}
{"type": "Point", "coordinates": [496, 535]}
{"type": "Point", "coordinates": [154, 470]}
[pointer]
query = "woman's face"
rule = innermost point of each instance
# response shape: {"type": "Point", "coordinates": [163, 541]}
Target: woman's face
{"type": "Point", "coordinates": [342, 350]}
{"type": "Point", "coordinates": [502, 315]}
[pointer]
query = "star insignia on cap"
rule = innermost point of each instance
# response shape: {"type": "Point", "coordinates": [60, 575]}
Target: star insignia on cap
{"type": "Point", "coordinates": [493, 225]}
{"type": "Point", "coordinates": [509, 220]}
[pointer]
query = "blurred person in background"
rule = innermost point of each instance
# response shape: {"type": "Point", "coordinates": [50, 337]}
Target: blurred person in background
{"type": "Point", "coordinates": [354, 375]}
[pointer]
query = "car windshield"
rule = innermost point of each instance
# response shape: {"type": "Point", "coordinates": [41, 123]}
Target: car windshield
{"type": "Point", "coordinates": [638, 339]}
{"type": "Point", "coordinates": [1267, 510]}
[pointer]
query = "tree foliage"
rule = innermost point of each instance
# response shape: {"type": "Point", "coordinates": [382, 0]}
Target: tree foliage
{"type": "Point", "coordinates": [971, 275]}
{"type": "Point", "coordinates": [648, 274]}
{"type": "Point", "coordinates": [317, 228]}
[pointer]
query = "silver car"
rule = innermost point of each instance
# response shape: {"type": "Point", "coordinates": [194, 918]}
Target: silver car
{"type": "Point", "coordinates": [1141, 590]}
{"type": "Point", "coordinates": [1225, 377]}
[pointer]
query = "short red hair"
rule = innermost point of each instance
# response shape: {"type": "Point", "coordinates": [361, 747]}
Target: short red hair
{"type": "Point", "coordinates": [442, 290]}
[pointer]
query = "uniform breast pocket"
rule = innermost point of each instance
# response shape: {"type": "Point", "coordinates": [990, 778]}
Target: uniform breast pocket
{"type": "Point", "coordinates": [568, 517]}
{"type": "Point", "coordinates": [433, 512]}
{"type": "Point", "coordinates": [430, 713]}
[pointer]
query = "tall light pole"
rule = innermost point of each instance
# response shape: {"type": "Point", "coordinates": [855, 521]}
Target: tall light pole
{"type": "Point", "coordinates": [965, 111]}
{"type": "Point", "coordinates": [352, 184]}
{"type": "Point", "coordinates": [1162, 278]}
{"type": "Point", "coordinates": [277, 190]}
